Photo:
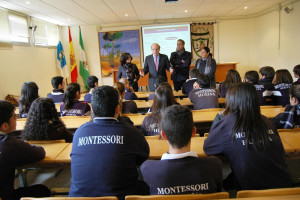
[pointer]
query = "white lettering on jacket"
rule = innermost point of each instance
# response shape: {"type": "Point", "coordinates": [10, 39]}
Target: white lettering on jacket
{"type": "Point", "coordinates": [105, 139]}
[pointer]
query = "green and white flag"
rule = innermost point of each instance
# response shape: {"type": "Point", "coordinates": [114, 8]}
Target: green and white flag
{"type": "Point", "coordinates": [83, 69]}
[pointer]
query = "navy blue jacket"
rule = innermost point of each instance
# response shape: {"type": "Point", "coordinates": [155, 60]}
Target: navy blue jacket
{"type": "Point", "coordinates": [188, 175]}
{"type": "Point", "coordinates": [104, 158]}
{"type": "Point", "coordinates": [13, 153]}
{"type": "Point", "coordinates": [78, 109]}
{"type": "Point", "coordinates": [87, 98]}
{"type": "Point", "coordinates": [252, 170]}
{"type": "Point", "coordinates": [130, 95]}
{"type": "Point", "coordinates": [56, 95]}
{"type": "Point", "coordinates": [187, 87]}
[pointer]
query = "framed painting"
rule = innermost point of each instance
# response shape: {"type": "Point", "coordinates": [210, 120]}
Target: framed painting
{"type": "Point", "coordinates": [112, 44]}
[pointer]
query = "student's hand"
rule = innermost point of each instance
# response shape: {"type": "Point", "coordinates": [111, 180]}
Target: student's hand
{"type": "Point", "coordinates": [171, 70]}
{"type": "Point", "coordinates": [196, 85]}
{"type": "Point", "coordinates": [142, 73]}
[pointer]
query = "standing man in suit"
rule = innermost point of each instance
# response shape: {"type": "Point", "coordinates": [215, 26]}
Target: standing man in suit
{"type": "Point", "coordinates": [180, 61]}
{"type": "Point", "coordinates": [156, 64]}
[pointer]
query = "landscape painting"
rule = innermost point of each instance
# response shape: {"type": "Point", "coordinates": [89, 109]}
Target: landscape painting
{"type": "Point", "coordinates": [113, 44]}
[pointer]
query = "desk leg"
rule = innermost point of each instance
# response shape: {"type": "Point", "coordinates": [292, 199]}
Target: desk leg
{"type": "Point", "coordinates": [22, 178]}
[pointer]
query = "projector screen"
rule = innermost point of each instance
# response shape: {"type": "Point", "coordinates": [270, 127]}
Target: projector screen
{"type": "Point", "coordinates": [166, 37]}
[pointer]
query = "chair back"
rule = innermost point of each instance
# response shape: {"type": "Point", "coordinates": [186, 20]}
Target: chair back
{"type": "Point", "coordinates": [72, 198]}
{"type": "Point", "coordinates": [219, 195]}
{"type": "Point", "coordinates": [269, 192]}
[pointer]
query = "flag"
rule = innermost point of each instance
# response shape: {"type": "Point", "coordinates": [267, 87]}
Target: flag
{"type": "Point", "coordinates": [61, 60]}
{"type": "Point", "coordinates": [83, 69]}
{"type": "Point", "coordinates": [73, 65]}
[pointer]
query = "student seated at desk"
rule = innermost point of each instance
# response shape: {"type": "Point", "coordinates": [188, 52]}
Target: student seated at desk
{"type": "Point", "coordinates": [267, 74]}
{"type": "Point", "coordinates": [203, 96]}
{"type": "Point", "coordinates": [127, 106]}
{"type": "Point", "coordinates": [92, 82]}
{"type": "Point", "coordinates": [180, 171]}
{"type": "Point", "coordinates": [106, 152]}
{"type": "Point", "coordinates": [58, 89]}
{"type": "Point", "coordinates": [290, 118]}
{"type": "Point", "coordinates": [188, 86]}
{"type": "Point", "coordinates": [71, 105]}
{"type": "Point", "coordinates": [29, 92]}
{"type": "Point", "coordinates": [296, 71]}
{"type": "Point", "coordinates": [43, 122]}
{"type": "Point", "coordinates": [282, 83]}
{"type": "Point", "coordinates": [250, 142]}
{"type": "Point", "coordinates": [163, 97]}
{"type": "Point", "coordinates": [14, 153]}
{"type": "Point", "coordinates": [232, 77]}
{"type": "Point", "coordinates": [253, 77]}
{"type": "Point", "coordinates": [158, 81]}
{"type": "Point", "coordinates": [129, 92]}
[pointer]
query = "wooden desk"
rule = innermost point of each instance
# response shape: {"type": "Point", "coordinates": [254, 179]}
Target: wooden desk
{"type": "Point", "coordinates": [290, 139]}
{"type": "Point", "coordinates": [57, 106]}
{"type": "Point", "coordinates": [198, 116]}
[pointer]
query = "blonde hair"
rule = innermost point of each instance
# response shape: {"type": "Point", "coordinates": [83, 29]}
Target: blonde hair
{"type": "Point", "coordinates": [125, 82]}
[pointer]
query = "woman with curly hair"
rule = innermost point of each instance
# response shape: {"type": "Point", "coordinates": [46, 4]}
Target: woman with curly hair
{"type": "Point", "coordinates": [29, 92]}
{"type": "Point", "coordinates": [71, 105]}
{"type": "Point", "coordinates": [43, 122]}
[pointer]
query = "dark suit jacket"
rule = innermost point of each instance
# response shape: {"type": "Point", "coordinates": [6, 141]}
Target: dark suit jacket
{"type": "Point", "coordinates": [181, 70]}
{"type": "Point", "coordinates": [149, 66]}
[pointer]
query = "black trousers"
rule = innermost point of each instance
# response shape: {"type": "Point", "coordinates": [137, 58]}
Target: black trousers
{"type": "Point", "coordinates": [178, 85]}
{"type": "Point", "coordinates": [38, 190]}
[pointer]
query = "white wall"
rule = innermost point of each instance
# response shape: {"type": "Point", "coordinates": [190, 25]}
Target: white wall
{"type": "Point", "coordinates": [21, 64]}
{"type": "Point", "coordinates": [252, 42]}
{"type": "Point", "coordinates": [260, 41]}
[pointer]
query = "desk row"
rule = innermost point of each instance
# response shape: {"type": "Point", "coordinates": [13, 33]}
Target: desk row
{"type": "Point", "coordinates": [199, 116]}
{"type": "Point", "coordinates": [60, 152]}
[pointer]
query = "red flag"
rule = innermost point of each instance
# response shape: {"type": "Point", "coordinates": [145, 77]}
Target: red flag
{"type": "Point", "coordinates": [73, 65]}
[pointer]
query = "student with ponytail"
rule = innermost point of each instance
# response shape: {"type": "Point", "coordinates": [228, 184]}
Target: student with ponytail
{"type": "Point", "coordinates": [71, 105]}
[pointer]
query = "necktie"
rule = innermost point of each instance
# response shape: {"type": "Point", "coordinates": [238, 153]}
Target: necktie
{"type": "Point", "coordinates": [156, 64]}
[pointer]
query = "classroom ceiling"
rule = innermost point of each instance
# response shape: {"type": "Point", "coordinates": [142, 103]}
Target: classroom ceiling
{"type": "Point", "coordinates": [104, 12]}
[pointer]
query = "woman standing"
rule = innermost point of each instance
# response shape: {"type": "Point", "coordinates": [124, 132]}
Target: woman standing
{"type": "Point", "coordinates": [207, 65]}
{"type": "Point", "coordinates": [129, 71]}
{"type": "Point", "coordinates": [250, 142]}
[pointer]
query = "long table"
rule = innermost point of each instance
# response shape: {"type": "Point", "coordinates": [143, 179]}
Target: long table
{"type": "Point", "coordinates": [199, 116]}
{"type": "Point", "coordinates": [59, 153]}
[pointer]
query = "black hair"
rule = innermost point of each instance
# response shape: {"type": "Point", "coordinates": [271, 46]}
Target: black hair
{"type": "Point", "coordinates": [105, 99]}
{"type": "Point", "coordinates": [203, 81]}
{"type": "Point", "coordinates": [70, 95]}
{"type": "Point", "coordinates": [296, 70]}
{"type": "Point", "coordinates": [29, 92]}
{"type": "Point", "coordinates": [41, 114]}
{"type": "Point", "coordinates": [206, 49]}
{"type": "Point", "coordinates": [177, 123]}
{"type": "Point", "coordinates": [182, 41]}
{"type": "Point", "coordinates": [232, 77]}
{"type": "Point", "coordinates": [124, 57]}
{"type": "Point", "coordinates": [283, 76]}
{"type": "Point", "coordinates": [91, 81]}
{"type": "Point", "coordinates": [252, 76]}
{"type": "Point", "coordinates": [159, 80]}
{"type": "Point", "coordinates": [163, 97]}
{"type": "Point", "coordinates": [242, 99]}
{"type": "Point", "coordinates": [6, 111]}
{"type": "Point", "coordinates": [267, 71]}
{"type": "Point", "coordinates": [295, 92]}
{"type": "Point", "coordinates": [194, 73]}
{"type": "Point", "coordinates": [55, 81]}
